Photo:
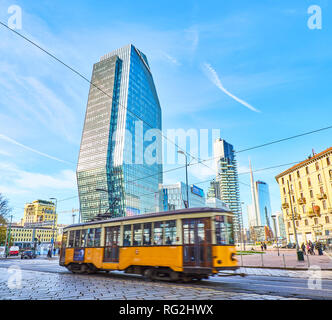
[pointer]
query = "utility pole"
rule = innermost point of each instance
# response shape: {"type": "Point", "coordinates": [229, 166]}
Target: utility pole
{"type": "Point", "coordinates": [291, 205]}
{"type": "Point", "coordinates": [53, 240]}
{"type": "Point", "coordinates": [275, 231]}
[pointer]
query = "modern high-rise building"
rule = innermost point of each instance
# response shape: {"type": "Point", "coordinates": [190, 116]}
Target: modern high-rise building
{"type": "Point", "coordinates": [119, 168]}
{"type": "Point", "coordinates": [264, 205]}
{"type": "Point", "coordinates": [227, 178]}
{"type": "Point", "coordinates": [175, 196]}
{"type": "Point", "coordinates": [259, 212]}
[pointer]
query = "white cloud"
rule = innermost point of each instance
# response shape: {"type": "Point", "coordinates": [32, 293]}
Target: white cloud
{"type": "Point", "coordinates": [214, 78]}
{"type": "Point", "coordinates": [171, 59]}
{"type": "Point", "coordinates": [18, 181]}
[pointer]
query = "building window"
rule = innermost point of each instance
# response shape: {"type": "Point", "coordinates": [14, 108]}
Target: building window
{"type": "Point", "coordinates": [321, 189]}
{"type": "Point", "coordinates": [300, 185]}
{"type": "Point", "coordinates": [330, 173]}
{"type": "Point", "coordinates": [284, 190]}
{"type": "Point", "coordinates": [306, 222]}
{"type": "Point", "coordinates": [288, 225]}
{"type": "Point", "coordinates": [297, 223]}
{"type": "Point", "coordinates": [316, 220]}
{"type": "Point", "coordinates": [327, 219]}
{"type": "Point", "coordinates": [303, 208]}
{"type": "Point", "coordinates": [317, 166]}
{"type": "Point", "coordinates": [328, 161]}
{"type": "Point", "coordinates": [324, 204]}
{"type": "Point", "coordinates": [309, 182]}
{"type": "Point", "coordinates": [298, 174]}
{"type": "Point", "coordinates": [290, 178]}
{"type": "Point", "coordinates": [283, 180]}
{"type": "Point", "coordinates": [311, 194]}
{"type": "Point", "coordinates": [307, 170]}
{"type": "Point", "coordinates": [319, 178]}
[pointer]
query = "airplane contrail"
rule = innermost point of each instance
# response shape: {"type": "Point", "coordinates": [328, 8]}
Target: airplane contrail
{"type": "Point", "coordinates": [216, 80]}
{"type": "Point", "coordinates": [2, 136]}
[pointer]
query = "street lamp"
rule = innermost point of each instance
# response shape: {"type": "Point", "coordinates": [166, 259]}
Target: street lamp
{"type": "Point", "coordinates": [52, 242]}
{"type": "Point", "coordinates": [275, 231]}
{"type": "Point", "coordinates": [186, 176]}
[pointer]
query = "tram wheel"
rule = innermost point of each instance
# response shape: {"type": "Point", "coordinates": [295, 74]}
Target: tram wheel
{"type": "Point", "coordinates": [149, 274]}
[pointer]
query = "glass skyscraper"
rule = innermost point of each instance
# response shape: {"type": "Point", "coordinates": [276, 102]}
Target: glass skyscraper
{"type": "Point", "coordinates": [263, 201]}
{"type": "Point", "coordinates": [227, 180]}
{"type": "Point", "coordinates": [119, 168]}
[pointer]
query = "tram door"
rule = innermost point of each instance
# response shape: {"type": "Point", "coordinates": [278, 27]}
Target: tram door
{"type": "Point", "coordinates": [197, 249]}
{"type": "Point", "coordinates": [63, 247]}
{"type": "Point", "coordinates": [112, 242]}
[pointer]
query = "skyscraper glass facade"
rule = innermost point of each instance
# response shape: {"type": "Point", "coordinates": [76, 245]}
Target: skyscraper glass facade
{"type": "Point", "coordinates": [227, 178]}
{"type": "Point", "coordinates": [264, 205]}
{"type": "Point", "coordinates": [119, 168]}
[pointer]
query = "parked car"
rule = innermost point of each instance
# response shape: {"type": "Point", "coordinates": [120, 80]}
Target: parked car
{"type": "Point", "coordinates": [14, 251]}
{"type": "Point", "coordinates": [28, 254]}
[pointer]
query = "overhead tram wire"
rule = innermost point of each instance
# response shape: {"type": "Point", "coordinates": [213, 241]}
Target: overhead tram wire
{"type": "Point", "coordinates": [205, 181]}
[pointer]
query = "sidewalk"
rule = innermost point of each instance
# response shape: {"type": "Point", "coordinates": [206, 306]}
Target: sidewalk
{"type": "Point", "coordinates": [304, 274]}
{"type": "Point", "coordinates": [287, 260]}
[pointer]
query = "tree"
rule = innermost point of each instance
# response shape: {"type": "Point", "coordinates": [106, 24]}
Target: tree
{"type": "Point", "coordinates": [5, 210]}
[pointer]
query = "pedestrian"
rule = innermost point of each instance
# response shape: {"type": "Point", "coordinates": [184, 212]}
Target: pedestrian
{"type": "Point", "coordinates": [49, 253]}
{"type": "Point", "coordinates": [54, 250]}
{"type": "Point", "coordinates": [312, 246]}
{"type": "Point", "coordinates": [319, 248]}
{"type": "Point", "coordinates": [265, 247]}
{"type": "Point", "coordinates": [303, 248]}
{"type": "Point", "coordinates": [262, 247]}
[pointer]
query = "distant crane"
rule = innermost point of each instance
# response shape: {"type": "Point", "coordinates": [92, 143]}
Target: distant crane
{"type": "Point", "coordinates": [72, 212]}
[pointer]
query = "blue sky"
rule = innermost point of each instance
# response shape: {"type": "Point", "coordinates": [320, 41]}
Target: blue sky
{"type": "Point", "coordinates": [262, 52]}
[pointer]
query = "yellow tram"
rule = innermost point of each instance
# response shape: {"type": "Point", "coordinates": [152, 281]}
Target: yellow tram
{"type": "Point", "coordinates": [187, 244]}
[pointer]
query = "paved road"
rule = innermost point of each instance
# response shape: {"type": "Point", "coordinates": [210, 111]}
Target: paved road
{"type": "Point", "coordinates": [45, 279]}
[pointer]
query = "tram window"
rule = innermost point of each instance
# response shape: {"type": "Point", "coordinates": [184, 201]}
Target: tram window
{"type": "Point", "coordinates": [108, 237]}
{"type": "Point", "coordinates": [170, 232]}
{"type": "Point", "coordinates": [91, 236]}
{"type": "Point", "coordinates": [112, 236]}
{"type": "Point", "coordinates": [97, 237]}
{"type": "Point", "coordinates": [188, 231]}
{"type": "Point", "coordinates": [83, 238]}
{"type": "Point", "coordinates": [137, 234]}
{"type": "Point", "coordinates": [71, 239]}
{"type": "Point", "coordinates": [230, 230]}
{"type": "Point", "coordinates": [147, 228]}
{"type": "Point", "coordinates": [221, 232]}
{"type": "Point", "coordinates": [77, 238]}
{"type": "Point", "coordinates": [127, 235]}
{"type": "Point", "coordinates": [158, 233]}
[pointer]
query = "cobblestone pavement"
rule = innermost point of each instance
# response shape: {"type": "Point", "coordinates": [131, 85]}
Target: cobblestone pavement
{"type": "Point", "coordinates": [36, 285]}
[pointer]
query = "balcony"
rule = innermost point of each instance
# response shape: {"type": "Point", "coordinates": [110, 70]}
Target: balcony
{"type": "Point", "coordinates": [285, 205]}
{"type": "Point", "coordinates": [315, 211]}
{"type": "Point", "coordinates": [321, 196]}
{"type": "Point", "coordinates": [311, 213]}
{"type": "Point", "coordinates": [301, 201]}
